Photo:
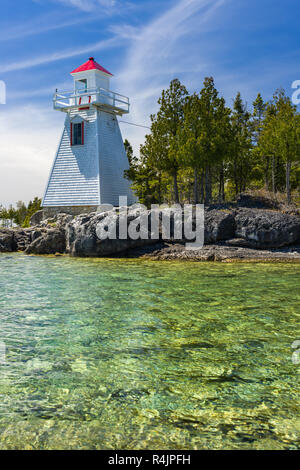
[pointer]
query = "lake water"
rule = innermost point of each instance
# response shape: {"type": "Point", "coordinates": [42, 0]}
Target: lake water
{"type": "Point", "coordinates": [132, 354]}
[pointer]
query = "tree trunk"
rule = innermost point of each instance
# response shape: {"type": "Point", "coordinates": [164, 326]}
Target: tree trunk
{"type": "Point", "coordinates": [195, 186]}
{"type": "Point", "coordinates": [207, 185]}
{"type": "Point", "coordinates": [244, 182]}
{"type": "Point", "coordinates": [236, 179]}
{"type": "Point", "coordinates": [278, 172]}
{"type": "Point", "coordinates": [189, 192]}
{"type": "Point", "coordinates": [202, 187]}
{"type": "Point", "coordinates": [273, 175]}
{"type": "Point", "coordinates": [267, 173]}
{"type": "Point", "coordinates": [288, 182]}
{"type": "Point", "coordinates": [176, 196]}
{"type": "Point", "coordinates": [221, 185]}
{"type": "Point", "coordinates": [159, 188]}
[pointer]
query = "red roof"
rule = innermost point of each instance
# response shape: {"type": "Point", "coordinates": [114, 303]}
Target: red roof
{"type": "Point", "coordinates": [91, 64]}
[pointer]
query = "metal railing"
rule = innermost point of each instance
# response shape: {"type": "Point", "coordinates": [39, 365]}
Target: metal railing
{"type": "Point", "coordinates": [98, 96]}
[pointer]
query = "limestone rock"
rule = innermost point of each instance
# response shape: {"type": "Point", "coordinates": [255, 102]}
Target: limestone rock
{"type": "Point", "coordinates": [86, 234]}
{"type": "Point", "coordinates": [23, 238]}
{"type": "Point", "coordinates": [219, 226]}
{"type": "Point", "coordinates": [37, 218]}
{"type": "Point", "coordinates": [267, 229]}
{"type": "Point", "coordinates": [50, 242]}
{"type": "Point", "coordinates": [7, 240]}
{"type": "Point", "coordinates": [82, 234]}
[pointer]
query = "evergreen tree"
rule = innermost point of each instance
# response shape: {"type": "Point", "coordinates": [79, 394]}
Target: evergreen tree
{"type": "Point", "coordinates": [258, 116]}
{"type": "Point", "coordinates": [129, 151]}
{"type": "Point", "coordinates": [205, 136]}
{"type": "Point", "coordinates": [199, 149]}
{"type": "Point", "coordinates": [240, 164]}
{"type": "Point", "coordinates": [169, 120]}
{"type": "Point", "coordinates": [21, 213]}
{"type": "Point", "coordinates": [287, 129]}
{"type": "Point", "coordinates": [280, 138]}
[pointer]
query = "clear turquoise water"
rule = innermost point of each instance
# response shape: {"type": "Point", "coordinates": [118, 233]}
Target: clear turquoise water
{"type": "Point", "coordinates": [130, 354]}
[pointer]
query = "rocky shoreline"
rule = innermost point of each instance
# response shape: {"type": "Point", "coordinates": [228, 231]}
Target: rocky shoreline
{"type": "Point", "coordinates": [231, 234]}
{"type": "Point", "coordinates": [223, 253]}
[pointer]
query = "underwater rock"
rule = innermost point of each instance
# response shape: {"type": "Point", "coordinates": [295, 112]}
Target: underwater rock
{"type": "Point", "coordinates": [62, 366]}
{"type": "Point", "coordinates": [133, 394]}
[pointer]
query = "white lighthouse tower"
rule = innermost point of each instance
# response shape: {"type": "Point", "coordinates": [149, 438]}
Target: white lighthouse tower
{"type": "Point", "coordinates": [88, 169]}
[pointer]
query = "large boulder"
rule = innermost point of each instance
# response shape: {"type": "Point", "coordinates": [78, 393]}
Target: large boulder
{"type": "Point", "coordinates": [257, 201]}
{"type": "Point", "coordinates": [7, 240]}
{"type": "Point", "coordinates": [57, 221]}
{"type": "Point", "coordinates": [267, 229]}
{"type": "Point", "coordinates": [23, 238]}
{"type": "Point", "coordinates": [219, 226]}
{"type": "Point", "coordinates": [37, 218]}
{"type": "Point", "coordinates": [47, 242]}
{"type": "Point", "coordinates": [86, 234]}
{"type": "Point", "coordinates": [17, 239]}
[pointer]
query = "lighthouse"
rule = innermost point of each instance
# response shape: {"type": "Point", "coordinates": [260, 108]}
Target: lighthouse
{"type": "Point", "coordinates": [88, 169]}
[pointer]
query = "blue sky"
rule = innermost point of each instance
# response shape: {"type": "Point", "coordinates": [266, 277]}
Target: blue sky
{"type": "Point", "coordinates": [246, 46]}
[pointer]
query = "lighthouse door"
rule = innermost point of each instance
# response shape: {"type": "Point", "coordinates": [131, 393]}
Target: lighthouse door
{"type": "Point", "coordinates": [81, 89]}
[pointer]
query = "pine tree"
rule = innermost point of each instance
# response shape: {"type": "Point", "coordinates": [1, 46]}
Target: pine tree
{"type": "Point", "coordinates": [129, 152]}
{"type": "Point", "coordinates": [288, 135]}
{"type": "Point", "coordinates": [280, 137]}
{"type": "Point", "coordinates": [169, 120]}
{"type": "Point", "coordinates": [240, 164]}
{"type": "Point", "coordinates": [258, 116]}
{"type": "Point", "coordinates": [205, 136]}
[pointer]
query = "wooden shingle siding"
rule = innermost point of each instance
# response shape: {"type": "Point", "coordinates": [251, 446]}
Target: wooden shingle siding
{"type": "Point", "coordinates": [93, 173]}
{"type": "Point", "coordinates": [113, 161]}
{"type": "Point", "coordinates": [74, 179]}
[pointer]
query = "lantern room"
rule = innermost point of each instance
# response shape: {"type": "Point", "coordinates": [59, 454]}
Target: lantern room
{"type": "Point", "coordinates": [91, 75]}
{"type": "Point", "coordinates": [91, 88]}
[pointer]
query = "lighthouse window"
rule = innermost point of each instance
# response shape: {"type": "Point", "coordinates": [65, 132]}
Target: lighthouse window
{"type": "Point", "coordinates": [81, 85]}
{"type": "Point", "coordinates": [77, 133]}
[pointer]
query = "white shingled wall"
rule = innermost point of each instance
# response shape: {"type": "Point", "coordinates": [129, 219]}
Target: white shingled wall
{"type": "Point", "coordinates": [93, 173]}
{"type": "Point", "coordinates": [113, 161]}
{"type": "Point", "coordinates": [74, 178]}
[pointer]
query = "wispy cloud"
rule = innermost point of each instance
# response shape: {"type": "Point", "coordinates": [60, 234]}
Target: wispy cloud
{"type": "Point", "coordinates": [41, 24]}
{"type": "Point", "coordinates": [29, 139]}
{"type": "Point", "coordinates": [55, 56]}
{"type": "Point", "coordinates": [156, 53]}
{"type": "Point", "coordinates": [160, 51]}
{"type": "Point", "coordinates": [37, 92]}
{"type": "Point", "coordinates": [155, 46]}
{"type": "Point", "coordinates": [89, 5]}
